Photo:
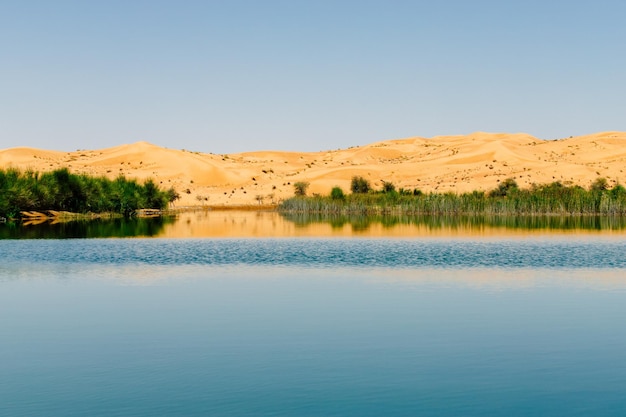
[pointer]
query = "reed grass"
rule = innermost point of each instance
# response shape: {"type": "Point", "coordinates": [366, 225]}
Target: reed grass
{"type": "Point", "coordinates": [548, 199]}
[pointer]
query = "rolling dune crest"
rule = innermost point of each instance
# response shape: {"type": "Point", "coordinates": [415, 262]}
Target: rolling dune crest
{"type": "Point", "coordinates": [461, 163]}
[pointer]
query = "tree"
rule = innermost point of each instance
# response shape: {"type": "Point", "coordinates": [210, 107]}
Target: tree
{"type": "Point", "coordinates": [153, 198]}
{"type": "Point", "coordinates": [359, 185]}
{"type": "Point", "coordinates": [300, 188]}
{"type": "Point", "coordinates": [388, 187]}
{"type": "Point", "coordinates": [504, 188]}
{"type": "Point", "coordinates": [172, 195]}
{"type": "Point", "coordinates": [600, 184]}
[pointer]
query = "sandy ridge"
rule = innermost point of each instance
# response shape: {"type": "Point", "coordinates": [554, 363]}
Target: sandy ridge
{"type": "Point", "coordinates": [443, 163]}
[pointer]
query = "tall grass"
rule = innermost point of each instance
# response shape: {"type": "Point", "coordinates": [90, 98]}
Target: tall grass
{"type": "Point", "coordinates": [548, 199]}
{"type": "Point", "coordinates": [61, 190]}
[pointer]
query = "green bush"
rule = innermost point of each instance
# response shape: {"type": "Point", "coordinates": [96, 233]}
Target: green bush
{"type": "Point", "coordinates": [600, 184]}
{"type": "Point", "coordinates": [388, 187]}
{"type": "Point", "coordinates": [337, 194]}
{"type": "Point", "coordinates": [60, 190]}
{"type": "Point", "coordinates": [506, 187]}
{"type": "Point", "coordinates": [359, 185]}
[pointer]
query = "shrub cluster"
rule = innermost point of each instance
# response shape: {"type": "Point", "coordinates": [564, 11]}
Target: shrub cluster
{"type": "Point", "coordinates": [63, 191]}
{"type": "Point", "coordinates": [360, 185]}
{"type": "Point", "coordinates": [507, 198]}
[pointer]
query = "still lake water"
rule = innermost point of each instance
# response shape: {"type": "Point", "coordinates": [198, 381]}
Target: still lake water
{"type": "Point", "coordinates": [490, 323]}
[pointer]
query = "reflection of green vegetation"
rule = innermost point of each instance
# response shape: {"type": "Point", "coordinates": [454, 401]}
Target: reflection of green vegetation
{"type": "Point", "coordinates": [98, 228]}
{"type": "Point", "coordinates": [454, 222]}
{"type": "Point", "coordinates": [337, 222]}
{"type": "Point", "coordinates": [61, 190]}
{"type": "Point", "coordinates": [507, 199]}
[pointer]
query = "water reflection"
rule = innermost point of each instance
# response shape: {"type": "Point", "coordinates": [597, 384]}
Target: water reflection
{"type": "Point", "coordinates": [238, 224]}
{"type": "Point", "coordinates": [460, 224]}
{"type": "Point", "coordinates": [98, 228]}
{"type": "Point", "coordinates": [235, 224]}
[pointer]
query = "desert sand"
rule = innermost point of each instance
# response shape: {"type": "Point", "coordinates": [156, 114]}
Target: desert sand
{"type": "Point", "coordinates": [477, 161]}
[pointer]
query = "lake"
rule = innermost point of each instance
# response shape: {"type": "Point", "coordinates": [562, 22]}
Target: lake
{"type": "Point", "coordinates": [236, 314]}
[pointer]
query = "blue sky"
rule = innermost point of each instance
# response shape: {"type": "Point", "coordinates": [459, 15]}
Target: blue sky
{"type": "Point", "coordinates": [232, 76]}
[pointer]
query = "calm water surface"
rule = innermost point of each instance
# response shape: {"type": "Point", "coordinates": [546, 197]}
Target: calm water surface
{"type": "Point", "coordinates": [472, 326]}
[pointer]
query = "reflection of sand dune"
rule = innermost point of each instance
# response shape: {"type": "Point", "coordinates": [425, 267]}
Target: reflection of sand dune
{"type": "Point", "coordinates": [443, 163]}
{"type": "Point", "coordinates": [242, 224]}
{"type": "Point", "coordinates": [489, 280]}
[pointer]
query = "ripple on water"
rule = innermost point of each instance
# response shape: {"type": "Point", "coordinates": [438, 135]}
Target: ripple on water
{"type": "Point", "coordinates": [325, 253]}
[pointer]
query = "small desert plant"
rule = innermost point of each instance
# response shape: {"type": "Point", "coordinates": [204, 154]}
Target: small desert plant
{"type": "Point", "coordinates": [300, 188]}
{"type": "Point", "coordinates": [359, 185]}
{"type": "Point", "coordinates": [504, 188]}
{"type": "Point", "coordinates": [202, 199]}
{"type": "Point", "coordinates": [600, 184]}
{"type": "Point", "coordinates": [172, 195]}
{"type": "Point", "coordinates": [388, 187]}
{"type": "Point", "coordinates": [337, 194]}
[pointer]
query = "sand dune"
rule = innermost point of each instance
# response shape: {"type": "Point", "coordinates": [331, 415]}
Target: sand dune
{"type": "Point", "coordinates": [477, 161]}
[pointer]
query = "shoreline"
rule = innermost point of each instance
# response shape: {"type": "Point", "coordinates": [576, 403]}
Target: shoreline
{"type": "Point", "coordinates": [216, 224]}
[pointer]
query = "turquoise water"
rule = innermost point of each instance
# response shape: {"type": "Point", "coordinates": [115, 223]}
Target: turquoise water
{"type": "Point", "coordinates": [309, 327]}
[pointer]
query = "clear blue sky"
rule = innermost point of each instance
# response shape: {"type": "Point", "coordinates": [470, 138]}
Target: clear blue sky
{"type": "Point", "coordinates": [231, 76]}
